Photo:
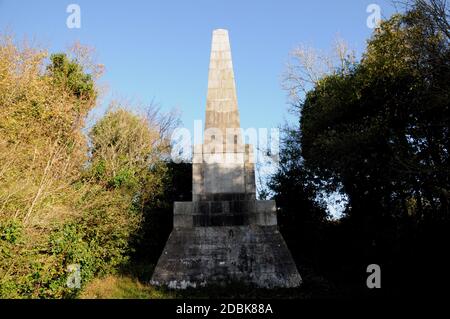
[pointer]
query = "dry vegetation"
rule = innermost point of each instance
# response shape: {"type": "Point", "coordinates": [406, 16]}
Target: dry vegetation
{"type": "Point", "coordinates": [120, 287]}
{"type": "Point", "coordinates": [63, 202]}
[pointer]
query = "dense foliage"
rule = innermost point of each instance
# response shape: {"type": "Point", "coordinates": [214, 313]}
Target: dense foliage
{"type": "Point", "coordinates": [65, 203]}
{"type": "Point", "coordinates": [381, 130]}
{"type": "Point", "coordinates": [376, 131]}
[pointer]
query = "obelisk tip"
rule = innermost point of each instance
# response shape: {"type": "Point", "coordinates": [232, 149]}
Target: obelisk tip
{"type": "Point", "coordinates": [220, 31]}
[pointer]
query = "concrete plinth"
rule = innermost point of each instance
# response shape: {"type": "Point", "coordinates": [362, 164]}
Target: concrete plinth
{"type": "Point", "coordinates": [199, 256]}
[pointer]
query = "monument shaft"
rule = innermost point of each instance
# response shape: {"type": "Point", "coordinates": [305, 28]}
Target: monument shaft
{"type": "Point", "coordinates": [224, 235]}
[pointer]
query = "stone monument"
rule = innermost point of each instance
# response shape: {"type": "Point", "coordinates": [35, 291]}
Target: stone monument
{"type": "Point", "coordinates": [224, 235]}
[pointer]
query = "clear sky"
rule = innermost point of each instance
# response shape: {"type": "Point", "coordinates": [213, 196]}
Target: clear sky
{"type": "Point", "coordinates": [159, 50]}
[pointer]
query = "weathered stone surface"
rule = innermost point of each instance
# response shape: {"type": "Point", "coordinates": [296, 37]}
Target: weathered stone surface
{"type": "Point", "coordinates": [221, 100]}
{"type": "Point", "coordinates": [225, 234]}
{"type": "Point", "coordinates": [236, 211]}
{"type": "Point", "coordinates": [195, 257]}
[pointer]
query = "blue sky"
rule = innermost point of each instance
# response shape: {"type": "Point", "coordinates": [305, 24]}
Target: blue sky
{"type": "Point", "coordinates": [159, 50]}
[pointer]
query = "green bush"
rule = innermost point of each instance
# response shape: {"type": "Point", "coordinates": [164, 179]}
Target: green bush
{"type": "Point", "coordinates": [11, 231]}
{"type": "Point", "coordinates": [61, 203]}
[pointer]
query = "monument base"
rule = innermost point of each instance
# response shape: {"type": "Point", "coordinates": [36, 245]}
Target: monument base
{"type": "Point", "coordinates": [252, 252]}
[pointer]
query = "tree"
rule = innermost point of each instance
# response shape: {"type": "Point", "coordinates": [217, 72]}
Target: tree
{"type": "Point", "coordinates": [381, 130]}
{"type": "Point", "coordinates": [66, 203]}
{"type": "Point", "coordinates": [42, 147]}
{"type": "Point", "coordinates": [128, 151]}
{"type": "Point", "coordinates": [42, 154]}
{"type": "Point", "coordinates": [377, 131]}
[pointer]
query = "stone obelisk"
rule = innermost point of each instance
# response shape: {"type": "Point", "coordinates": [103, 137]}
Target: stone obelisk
{"type": "Point", "coordinates": [224, 235]}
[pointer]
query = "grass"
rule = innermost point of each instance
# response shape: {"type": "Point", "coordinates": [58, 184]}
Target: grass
{"type": "Point", "coordinates": [122, 287]}
{"type": "Point", "coordinates": [132, 285]}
